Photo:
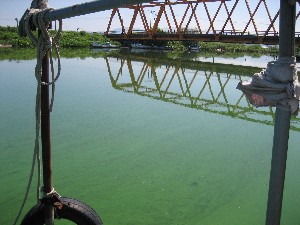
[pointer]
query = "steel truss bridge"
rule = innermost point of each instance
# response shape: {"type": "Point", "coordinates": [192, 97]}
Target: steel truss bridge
{"type": "Point", "coordinates": [200, 20]}
{"type": "Point", "coordinates": [203, 86]}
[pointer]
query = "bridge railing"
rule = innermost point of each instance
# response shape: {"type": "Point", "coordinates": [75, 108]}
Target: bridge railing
{"type": "Point", "coordinates": [258, 24]}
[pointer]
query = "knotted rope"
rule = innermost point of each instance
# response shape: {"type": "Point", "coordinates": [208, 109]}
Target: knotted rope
{"type": "Point", "coordinates": [44, 43]}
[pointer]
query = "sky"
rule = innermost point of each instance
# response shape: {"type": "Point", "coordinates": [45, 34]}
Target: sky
{"type": "Point", "coordinates": [97, 22]}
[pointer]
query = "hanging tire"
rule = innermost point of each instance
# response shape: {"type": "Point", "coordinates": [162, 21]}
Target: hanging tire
{"type": "Point", "coordinates": [72, 210]}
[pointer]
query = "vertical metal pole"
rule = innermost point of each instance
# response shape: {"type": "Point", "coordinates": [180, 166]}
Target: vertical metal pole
{"type": "Point", "coordinates": [46, 137]}
{"type": "Point", "coordinates": [278, 165]}
{"type": "Point", "coordinates": [282, 120]}
{"type": "Point", "coordinates": [45, 126]}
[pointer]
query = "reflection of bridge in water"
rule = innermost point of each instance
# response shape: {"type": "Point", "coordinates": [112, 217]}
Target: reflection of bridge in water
{"type": "Point", "coordinates": [202, 86]}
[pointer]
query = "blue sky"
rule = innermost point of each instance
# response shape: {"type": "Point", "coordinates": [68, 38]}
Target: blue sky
{"type": "Point", "coordinates": [11, 9]}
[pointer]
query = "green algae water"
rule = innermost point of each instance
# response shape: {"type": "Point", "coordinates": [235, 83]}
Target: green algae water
{"type": "Point", "coordinates": [146, 141]}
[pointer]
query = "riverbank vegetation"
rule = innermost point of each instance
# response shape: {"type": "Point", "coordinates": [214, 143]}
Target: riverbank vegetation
{"type": "Point", "coordinates": [223, 47]}
{"type": "Point", "coordinates": [30, 53]}
{"type": "Point", "coordinates": [82, 39]}
{"type": "Point", "coordinates": [69, 39]}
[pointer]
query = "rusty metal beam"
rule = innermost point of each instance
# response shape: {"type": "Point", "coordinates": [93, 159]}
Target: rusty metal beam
{"type": "Point", "coordinates": [215, 33]}
{"type": "Point", "coordinates": [178, 2]}
{"type": "Point", "coordinates": [173, 15]}
{"type": "Point", "coordinates": [183, 18]}
{"type": "Point", "coordinates": [159, 14]}
{"type": "Point", "coordinates": [215, 16]}
{"type": "Point", "coordinates": [272, 24]}
{"type": "Point", "coordinates": [168, 21]}
{"type": "Point", "coordinates": [269, 15]}
{"type": "Point", "coordinates": [110, 19]}
{"type": "Point", "coordinates": [247, 39]}
{"type": "Point", "coordinates": [191, 16]}
{"type": "Point", "coordinates": [251, 16]}
{"type": "Point", "coordinates": [144, 20]}
{"type": "Point", "coordinates": [121, 21]}
{"type": "Point", "coordinates": [136, 11]}
{"type": "Point", "coordinates": [229, 16]}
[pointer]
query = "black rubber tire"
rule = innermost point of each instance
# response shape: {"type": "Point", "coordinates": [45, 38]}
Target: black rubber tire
{"type": "Point", "coordinates": [73, 210]}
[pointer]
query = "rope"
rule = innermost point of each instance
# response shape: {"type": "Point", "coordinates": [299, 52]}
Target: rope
{"type": "Point", "coordinates": [44, 44]}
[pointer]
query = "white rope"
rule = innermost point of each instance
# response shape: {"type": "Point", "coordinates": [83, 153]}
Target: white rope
{"type": "Point", "coordinates": [44, 44]}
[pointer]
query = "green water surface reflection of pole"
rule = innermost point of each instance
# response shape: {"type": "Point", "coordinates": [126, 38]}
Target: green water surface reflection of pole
{"type": "Point", "coordinates": [282, 119]}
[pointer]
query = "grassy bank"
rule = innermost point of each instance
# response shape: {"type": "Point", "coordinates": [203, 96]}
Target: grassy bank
{"type": "Point", "coordinates": [82, 39]}
{"type": "Point", "coordinates": [223, 47]}
{"type": "Point", "coordinates": [70, 39]}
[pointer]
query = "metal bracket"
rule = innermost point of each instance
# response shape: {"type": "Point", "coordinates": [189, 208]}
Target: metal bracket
{"type": "Point", "coordinates": [52, 198]}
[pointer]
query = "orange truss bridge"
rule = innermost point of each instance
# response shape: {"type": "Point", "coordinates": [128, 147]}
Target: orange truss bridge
{"type": "Point", "coordinates": [235, 21]}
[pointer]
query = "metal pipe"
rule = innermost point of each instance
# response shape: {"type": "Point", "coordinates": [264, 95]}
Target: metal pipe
{"type": "Point", "coordinates": [45, 126]}
{"type": "Point", "coordinates": [46, 138]}
{"type": "Point", "coordinates": [278, 165]}
{"type": "Point", "coordinates": [282, 120]}
{"type": "Point", "coordinates": [89, 7]}
{"type": "Point", "coordinates": [287, 23]}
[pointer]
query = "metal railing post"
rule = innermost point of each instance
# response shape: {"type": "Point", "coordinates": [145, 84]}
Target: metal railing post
{"type": "Point", "coordinates": [282, 120]}
{"type": "Point", "coordinates": [46, 138]}
{"type": "Point", "coordinates": [45, 127]}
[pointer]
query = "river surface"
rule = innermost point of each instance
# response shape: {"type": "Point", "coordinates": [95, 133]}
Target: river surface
{"type": "Point", "coordinates": [147, 139]}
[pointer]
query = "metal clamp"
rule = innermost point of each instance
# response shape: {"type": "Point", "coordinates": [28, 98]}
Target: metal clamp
{"type": "Point", "coordinates": [52, 198]}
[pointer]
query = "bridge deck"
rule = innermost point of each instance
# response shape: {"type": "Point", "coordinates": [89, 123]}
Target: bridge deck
{"type": "Point", "coordinates": [248, 39]}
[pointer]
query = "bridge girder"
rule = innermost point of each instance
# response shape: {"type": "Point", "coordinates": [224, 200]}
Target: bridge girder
{"type": "Point", "coordinates": [179, 28]}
